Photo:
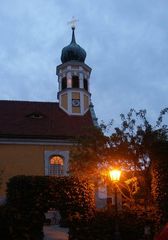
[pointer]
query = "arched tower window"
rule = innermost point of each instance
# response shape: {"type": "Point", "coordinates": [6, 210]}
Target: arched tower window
{"type": "Point", "coordinates": [56, 166]}
{"type": "Point", "coordinates": [64, 83]}
{"type": "Point", "coordinates": [86, 84]}
{"type": "Point", "coordinates": [75, 81]}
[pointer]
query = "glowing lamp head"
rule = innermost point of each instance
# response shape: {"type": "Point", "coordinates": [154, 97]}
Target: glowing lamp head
{"type": "Point", "coordinates": [115, 175]}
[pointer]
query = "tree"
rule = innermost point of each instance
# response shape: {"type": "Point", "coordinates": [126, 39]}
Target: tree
{"type": "Point", "coordinates": [89, 153]}
{"type": "Point", "coordinates": [128, 146]}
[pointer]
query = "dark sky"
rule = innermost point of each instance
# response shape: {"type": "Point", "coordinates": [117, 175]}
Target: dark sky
{"type": "Point", "coordinates": [126, 43]}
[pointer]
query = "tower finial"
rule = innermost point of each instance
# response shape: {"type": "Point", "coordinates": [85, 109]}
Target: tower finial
{"type": "Point", "coordinates": [73, 22]}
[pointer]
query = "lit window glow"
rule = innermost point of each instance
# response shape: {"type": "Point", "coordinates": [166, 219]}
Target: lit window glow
{"type": "Point", "coordinates": [56, 166]}
{"type": "Point", "coordinates": [69, 82]}
{"type": "Point", "coordinates": [56, 160]}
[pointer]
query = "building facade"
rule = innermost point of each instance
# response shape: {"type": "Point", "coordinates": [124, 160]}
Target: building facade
{"type": "Point", "coordinates": [36, 137]}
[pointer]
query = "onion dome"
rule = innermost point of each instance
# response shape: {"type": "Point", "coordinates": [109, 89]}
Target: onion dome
{"type": "Point", "coordinates": [73, 52]}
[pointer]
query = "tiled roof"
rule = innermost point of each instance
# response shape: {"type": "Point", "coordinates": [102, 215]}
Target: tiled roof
{"type": "Point", "coordinates": [45, 120]}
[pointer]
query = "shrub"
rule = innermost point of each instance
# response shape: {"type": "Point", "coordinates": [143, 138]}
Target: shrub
{"type": "Point", "coordinates": [4, 223]}
{"type": "Point", "coordinates": [102, 226]}
{"type": "Point", "coordinates": [160, 180]}
{"type": "Point", "coordinates": [29, 197]}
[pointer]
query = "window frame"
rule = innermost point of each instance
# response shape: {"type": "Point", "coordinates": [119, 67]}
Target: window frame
{"type": "Point", "coordinates": [56, 169]}
{"type": "Point", "coordinates": [49, 154]}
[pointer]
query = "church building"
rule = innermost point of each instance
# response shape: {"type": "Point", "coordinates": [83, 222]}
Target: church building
{"type": "Point", "coordinates": [36, 137]}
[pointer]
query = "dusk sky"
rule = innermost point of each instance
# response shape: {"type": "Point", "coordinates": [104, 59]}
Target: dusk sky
{"type": "Point", "coordinates": [126, 43]}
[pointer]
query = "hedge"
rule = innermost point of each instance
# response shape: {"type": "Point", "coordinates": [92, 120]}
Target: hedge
{"type": "Point", "coordinates": [29, 197]}
{"type": "Point", "coordinates": [102, 226]}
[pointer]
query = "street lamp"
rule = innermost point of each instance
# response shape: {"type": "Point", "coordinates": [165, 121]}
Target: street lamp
{"type": "Point", "coordinates": [115, 177]}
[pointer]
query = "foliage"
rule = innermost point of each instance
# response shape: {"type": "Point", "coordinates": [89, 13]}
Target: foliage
{"type": "Point", "coordinates": [128, 190]}
{"type": "Point", "coordinates": [129, 147]}
{"type": "Point", "coordinates": [160, 179]}
{"type": "Point", "coordinates": [27, 202]}
{"type": "Point", "coordinates": [102, 226]}
{"type": "Point", "coordinates": [90, 151]}
{"type": "Point", "coordinates": [139, 148]}
{"type": "Point", "coordinates": [99, 227]}
{"type": "Point", "coordinates": [29, 197]}
{"type": "Point", "coordinates": [131, 142]}
{"type": "Point", "coordinates": [4, 222]}
{"type": "Point", "coordinates": [73, 196]}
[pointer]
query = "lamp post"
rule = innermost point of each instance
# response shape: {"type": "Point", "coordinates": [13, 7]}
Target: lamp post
{"type": "Point", "coordinates": [115, 177]}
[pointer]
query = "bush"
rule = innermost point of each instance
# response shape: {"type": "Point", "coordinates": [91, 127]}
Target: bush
{"type": "Point", "coordinates": [160, 180]}
{"type": "Point", "coordinates": [4, 223]}
{"type": "Point", "coordinates": [29, 197]}
{"type": "Point", "coordinates": [99, 227]}
{"type": "Point", "coordinates": [74, 197]}
{"type": "Point", "coordinates": [102, 226]}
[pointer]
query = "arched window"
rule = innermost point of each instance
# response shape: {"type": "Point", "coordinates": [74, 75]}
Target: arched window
{"type": "Point", "coordinates": [64, 83]}
{"type": "Point", "coordinates": [75, 81]}
{"type": "Point", "coordinates": [56, 166]}
{"type": "Point", "coordinates": [86, 84]}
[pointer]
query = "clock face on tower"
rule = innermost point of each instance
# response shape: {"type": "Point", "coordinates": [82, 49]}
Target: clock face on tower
{"type": "Point", "coordinates": [75, 102]}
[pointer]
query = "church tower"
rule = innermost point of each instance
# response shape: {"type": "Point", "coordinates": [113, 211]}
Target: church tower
{"type": "Point", "coordinates": [73, 79]}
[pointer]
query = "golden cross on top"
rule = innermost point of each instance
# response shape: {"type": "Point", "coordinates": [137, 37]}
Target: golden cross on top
{"type": "Point", "coordinates": [73, 22]}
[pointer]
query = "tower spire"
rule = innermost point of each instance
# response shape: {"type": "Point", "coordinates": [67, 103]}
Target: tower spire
{"type": "Point", "coordinates": [73, 77]}
{"type": "Point", "coordinates": [73, 36]}
{"type": "Point", "coordinates": [73, 52]}
{"type": "Point", "coordinates": [73, 25]}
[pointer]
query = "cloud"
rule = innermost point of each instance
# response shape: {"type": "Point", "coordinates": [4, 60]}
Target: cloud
{"type": "Point", "coordinates": [126, 44]}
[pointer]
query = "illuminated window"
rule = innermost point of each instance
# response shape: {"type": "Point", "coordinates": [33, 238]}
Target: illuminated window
{"type": "Point", "coordinates": [69, 83]}
{"type": "Point", "coordinates": [56, 166]}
